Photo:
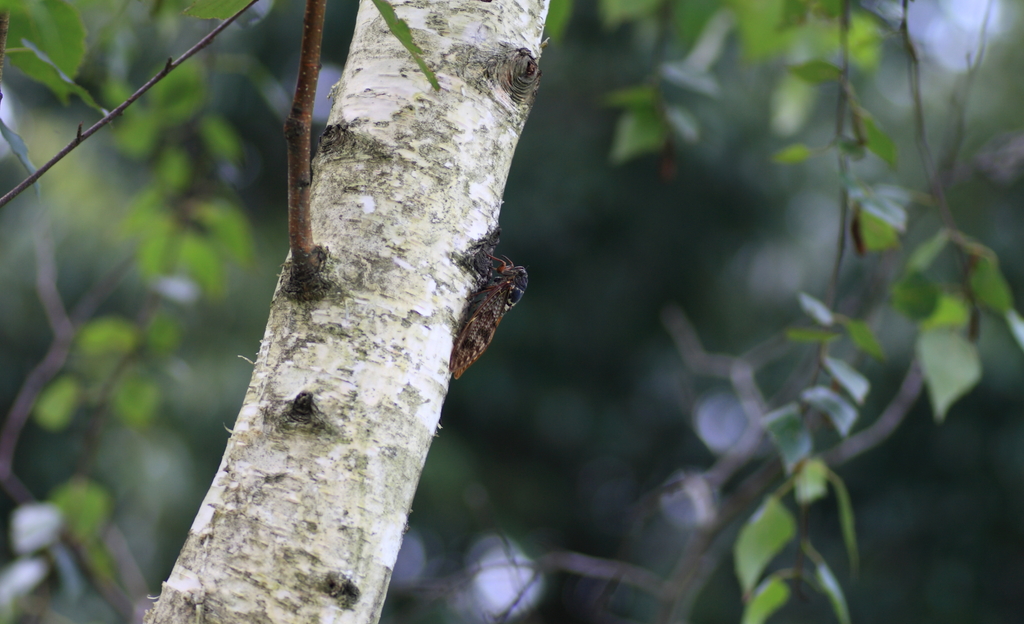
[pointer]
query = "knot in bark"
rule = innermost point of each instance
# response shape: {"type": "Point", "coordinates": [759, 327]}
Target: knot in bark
{"type": "Point", "coordinates": [517, 74]}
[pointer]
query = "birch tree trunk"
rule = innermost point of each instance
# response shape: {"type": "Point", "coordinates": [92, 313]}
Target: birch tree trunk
{"type": "Point", "coordinates": [306, 513]}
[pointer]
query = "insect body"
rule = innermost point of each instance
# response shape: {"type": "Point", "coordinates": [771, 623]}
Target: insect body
{"type": "Point", "coordinates": [498, 298]}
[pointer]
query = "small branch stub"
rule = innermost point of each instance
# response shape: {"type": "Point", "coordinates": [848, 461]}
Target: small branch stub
{"type": "Point", "coordinates": [517, 76]}
{"type": "Point", "coordinates": [305, 278]}
{"type": "Point", "coordinates": [341, 588]}
{"type": "Point", "coordinates": [303, 411]}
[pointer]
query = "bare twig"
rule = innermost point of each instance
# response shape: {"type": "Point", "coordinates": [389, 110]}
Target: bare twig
{"type": "Point", "coordinates": [690, 349]}
{"type": "Point", "coordinates": [844, 161]}
{"type": "Point", "coordinates": [886, 423]}
{"type": "Point", "coordinates": [128, 568]}
{"type": "Point", "coordinates": [695, 564]}
{"type": "Point", "coordinates": [297, 135]}
{"type": "Point", "coordinates": [51, 363]}
{"type": "Point", "coordinates": [740, 373]}
{"type": "Point", "coordinates": [83, 135]}
{"type": "Point", "coordinates": [934, 184]}
{"type": "Point", "coordinates": [959, 104]}
{"type": "Point", "coordinates": [5, 20]}
{"type": "Point", "coordinates": [607, 569]}
{"type": "Point", "coordinates": [111, 593]}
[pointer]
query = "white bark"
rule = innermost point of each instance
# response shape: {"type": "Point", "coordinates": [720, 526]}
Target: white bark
{"type": "Point", "coordinates": [305, 516]}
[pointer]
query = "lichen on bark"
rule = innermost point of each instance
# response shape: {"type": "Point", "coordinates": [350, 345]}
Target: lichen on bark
{"type": "Point", "coordinates": [305, 515]}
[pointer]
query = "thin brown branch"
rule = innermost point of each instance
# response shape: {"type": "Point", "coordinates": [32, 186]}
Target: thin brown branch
{"type": "Point", "coordinates": [111, 593]}
{"type": "Point", "coordinates": [83, 135]}
{"type": "Point", "coordinates": [740, 373]}
{"type": "Point", "coordinates": [695, 564]}
{"type": "Point", "coordinates": [128, 569]}
{"type": "Point", "coordinates": [5, 21]}
{"type": "Point", "coordinates": [844, 200]}
{"type": "Point", "coordinates": [104, 400]}
{"type": "Point", "coordinates": [885, 425]}
{"type": "Point", "coordinates": [607, 569]}
{"type": "Point", "coordinates": [690, 349]}
{"type": "Point", "coordinates": [934, 184]}
{"type": "Point", "coordinates": [45, 371]}
{"type": "Point", "coordinates": [959, 105]}
{"type": "Point", "coordinates": [297, 131]}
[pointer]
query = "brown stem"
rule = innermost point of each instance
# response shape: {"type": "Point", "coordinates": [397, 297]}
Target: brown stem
{"type": "Point", "coordinates": [51, 363]}
{"type": "Point", "coordinates": [886, 423]}
{"type": "Point", "coordinates": [934, 183]}
{"type": "Point", "coordinates": [297, 135]}
{"type": "Point", "coordinates": [5, 20]}
{"type": "Point", "coordinates": [82, 135]}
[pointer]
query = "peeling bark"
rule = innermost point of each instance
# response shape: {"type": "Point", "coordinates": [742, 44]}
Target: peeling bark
{"type": "Point", "coordinates": [306, 513]}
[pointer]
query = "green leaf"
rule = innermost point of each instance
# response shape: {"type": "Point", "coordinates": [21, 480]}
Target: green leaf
{"type": "Point", "coordinates": [853, 149]}
{"type": "Point", "coordinates": [862, 336]}
{"type": "Point", "coordinates": [154, 252]}
{"type": "Point", "coordinates": [1016, 324]}
{"type": "Point", "coordinates": [927, 251]}
{"type": "Point", "coordinates": [816, 71]}
{"type": "Point", "coordinates": [215, 9]}
{"type": "Point", "coordinates": [879, 142]}
{"type": "Point", "coordinates": [795, 153]}
{"type": "Point", "coordinates": [791, 437]}
{"type": "Point", "coordinates": [990, 287]}
{"type": "Point", "coordinates": [885, 208]}
{"type": "Point", "coordinates": [846, 520]}
{"type": "Point", "coordinates": [951, 367]}
{"type": "Point", "coordinates": [794, 12]}
{"type": "Point", "coordinates": [107, 335]}
{"type": "Point", "coordinates": [203, 263]}
{"type": "Point", "coordinates": [864, 39]}
{"type": "Point", "coordinates": [401, 31]}
{"type": "Point", "coordinates": [135, 401]}
{"type": "Point", "coordinates": [811, 481]}
{"type": "Point", "coordinates": [768, 598]}
{"type": "Point", "coordinates": [791, 102]}
{"type": "Point", "coordinates": [758, 24]}
{"type": "Point", "coordinates": [163, 335]}
{"type": "Point", "coordinates": [51, 36]}
{"type": "Point", "coordinates": [20, 150]}
{"type": "Point", "coordinates": [639, 131]}
{"type": "Point", "coordinates": [831, 587]}
{"type": "Point", "coordinates": [810, 334]}
{"type": "Point", "coordinates": [951, 311]}
{"type": "Point", "coordinates": [639, 97]}
{"type": "Point", "coordinates": [838, 409]}
{"type": "Point", "coordinates": [220, 138]}
{"type": "Point", "coordinates": [615, 12]}
{"type": "Point", "coordinates": [763, 536]}
{"type": "Point", "coordinates": [915, 296]}
{"type": "Point", "coordinates": [816, 310]}
{"type": "Point", "coordinates": [559, 12]}
{"type": "Point", "coordinates": [855, 384]}
{"type": "Point", "coordinates": [684, 75]}
{"type": "Point", "coordinates": [57, 403]}
{"type": "Point", "coordinates": [85, 504]}
{"type": "Point", "coordinates": [876, 233]}
{"type": "Point", "coordinates": [683, 122]}
{"type": "Point", "coordinates": [34, 526]}
{"type": "Point", "coordinates": [174, 170]}
{"type": "Point", "coordinates": [179, 96]}
{"type": "Point", "coordinates": [138, 132]}
{"type": "Point", "coordinates": [228, 229]}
